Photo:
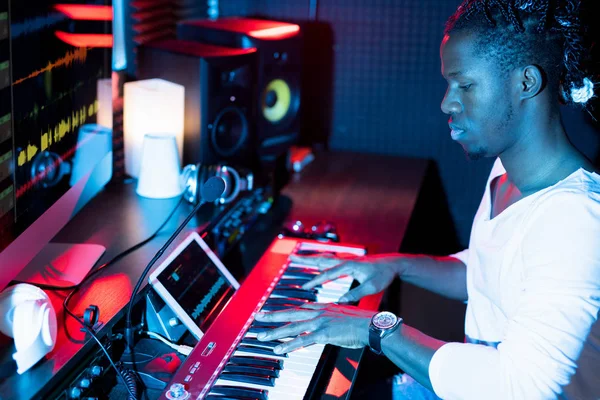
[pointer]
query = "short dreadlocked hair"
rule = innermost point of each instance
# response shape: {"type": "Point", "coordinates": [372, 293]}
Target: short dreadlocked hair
{"type": "Point", "coordinates": [547, 33]}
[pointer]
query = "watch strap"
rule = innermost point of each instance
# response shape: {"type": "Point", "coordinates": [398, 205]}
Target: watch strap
{"type": "Point", "coordinates": [375, 341]}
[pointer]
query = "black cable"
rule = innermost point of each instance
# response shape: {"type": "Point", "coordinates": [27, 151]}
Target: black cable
{"type": "Point", "coordinates": [128, 324]}
{"type": "Point", "coordinates": [211, 190]}
{"type": "Point", "coordinates": [110, 262]}
{"type": "Point", "coordinates": [149, 357]}
{"type": "Point", "coordinates": [130, 382]}
{"type": "Point", "coordinates": [75, 288]}
{"type": "Point", "coordinates": [119, 371]}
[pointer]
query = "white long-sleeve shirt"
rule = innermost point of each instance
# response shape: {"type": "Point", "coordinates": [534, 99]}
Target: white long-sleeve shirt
{"type": "Point", "coordinates": [533, 280]}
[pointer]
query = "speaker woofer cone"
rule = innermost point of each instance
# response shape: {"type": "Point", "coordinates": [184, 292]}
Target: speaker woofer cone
{"type": "Point", "coordinates": [229, 131]}
{"type": "Point", "coordinates": [277, 101]}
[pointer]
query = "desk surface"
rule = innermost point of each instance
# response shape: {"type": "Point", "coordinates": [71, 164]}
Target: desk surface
{"type": "Point", "coordinates": [369, 197]}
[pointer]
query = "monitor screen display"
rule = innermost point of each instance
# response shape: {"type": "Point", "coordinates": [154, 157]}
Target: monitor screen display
{"type": "Point", "coordinates": [49, 72]}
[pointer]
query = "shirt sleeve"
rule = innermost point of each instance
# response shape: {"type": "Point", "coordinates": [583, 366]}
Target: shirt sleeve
{"type": "Point", "coordinates": [461, 255]}
{"type": "Point", "coordinates": [559, 305]}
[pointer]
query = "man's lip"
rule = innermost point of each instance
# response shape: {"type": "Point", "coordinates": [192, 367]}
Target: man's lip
{"type": "Point", "coordinates": [456, 134]}
{"type": "Point", "coordinates": [455, 131]}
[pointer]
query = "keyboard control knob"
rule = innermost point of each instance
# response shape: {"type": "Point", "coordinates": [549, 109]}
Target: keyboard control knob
{"type": "Point", "coordinates": [84, 383]}
{"type": "Point", "coordinates": [177, 392]}
{"type": "Point", "coordinates": [95, 371]}
{"type": "Point", "coordinates": [75, 393]}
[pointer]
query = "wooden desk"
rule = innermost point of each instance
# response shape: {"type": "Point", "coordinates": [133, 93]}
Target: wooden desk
{"type": "Point", "coordinates": [369, 197]}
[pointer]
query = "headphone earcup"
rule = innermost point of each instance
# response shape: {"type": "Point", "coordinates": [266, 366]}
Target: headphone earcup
{"type": "Point", "coordinates": [10, 298]}
{"type": "Point", "coordinates": [34, 330]}
{"type": "Point", "coordinates": [29, 317]}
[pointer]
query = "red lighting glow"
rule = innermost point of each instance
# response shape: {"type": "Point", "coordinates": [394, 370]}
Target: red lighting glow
{"type": "Point", "coordinates": [87, 12]}
{"type": "Point", "coordinates": [278, 32]}
{"type": "Point", "coordinates": [86, 39]}
{"type": "Point", "coordinates": [353, 363]}
{"type": "Point", "coordinates": [339, 385]}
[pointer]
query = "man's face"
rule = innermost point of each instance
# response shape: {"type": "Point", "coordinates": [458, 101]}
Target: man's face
{"type": "Point", "coordinates": [478, 98]}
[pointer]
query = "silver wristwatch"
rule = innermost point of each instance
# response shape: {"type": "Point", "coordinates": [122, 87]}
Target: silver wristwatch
{"type": "Point", "coordinates": [382, 324]}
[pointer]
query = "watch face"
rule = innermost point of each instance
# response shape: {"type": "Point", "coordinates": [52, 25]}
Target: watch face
{"type": "Point", "coordinates": [384, 320]}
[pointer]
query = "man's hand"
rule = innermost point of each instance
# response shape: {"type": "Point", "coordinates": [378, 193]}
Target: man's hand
{"type": "Point", "coordinates": [375, 273]}
{"type": "Point", "coordinates": [313, 323]}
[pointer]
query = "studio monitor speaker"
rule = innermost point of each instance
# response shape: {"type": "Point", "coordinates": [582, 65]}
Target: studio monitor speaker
{"type": "Point", "coordinates": [278, 76]}
{"type": "Point", "coordinates": [219, 97]}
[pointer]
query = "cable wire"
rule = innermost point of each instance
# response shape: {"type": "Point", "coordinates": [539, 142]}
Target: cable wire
{"type": "Point", "coordinates": [182, 349]}
{"type": "Point", "coordinates": [75, 288]}
{"type": "Point", "coordinates": [110, 262]}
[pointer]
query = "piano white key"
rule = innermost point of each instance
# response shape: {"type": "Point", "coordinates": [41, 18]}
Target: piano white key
{"type": "Point", "coordinates": [300, 365]}
{"type": "Point", "coordinates": [282, 393]}
{"type": "Point", "coordinates": [298, 368]}
{"type": "Point", "coordinates": [301, 360]}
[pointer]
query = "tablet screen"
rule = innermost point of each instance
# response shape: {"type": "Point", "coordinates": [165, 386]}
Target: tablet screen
{"type": "Point", "coordinates": [197, 282]}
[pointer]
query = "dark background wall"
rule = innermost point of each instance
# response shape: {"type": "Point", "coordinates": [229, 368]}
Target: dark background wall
{"type": "Point", "coordinates": [388, 88]}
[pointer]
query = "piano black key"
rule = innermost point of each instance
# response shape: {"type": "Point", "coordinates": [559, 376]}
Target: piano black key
{"type": "Point", "coordinates": [295, 294]}
{"type": "Point", "coordinates": [311, 252]}
{"type": "Point", "coordinates": [258, 361]}
{"type": "Point", "coordinates": [295, 281]}
{"type": "Point", "coordinates": [298, 275]}
{"type": "Point", "coordinates": [302, 271]}
{"type": "Point", "coordinates": [219, 397]}
{"type": "Point", "coordinates": [239, 392]}
{"type": "Point", "coordinates": [256, 379]}
{"type": "Point", "coordinates": [252, 369]}
{"type": "Point", "coordinates": [293, 287]}
{"type": "Point", "coordinates": [280, 301]}
{"type": "Point", "coordinates": [258, 350]}
{"type": "Point", "coordinates": [269, 344]}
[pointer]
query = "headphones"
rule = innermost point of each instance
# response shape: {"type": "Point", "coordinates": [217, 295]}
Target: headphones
{"type": "Point", "coordinates": [236, 180]}
{"type": "Point", "coordinates": [27, 315]}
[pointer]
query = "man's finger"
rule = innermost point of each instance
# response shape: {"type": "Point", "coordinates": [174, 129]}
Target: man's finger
{"type": "Point", "coordinates": [364, 289]}
{"type": "Point", "coordinates": [329, 275]}
{"type": "Point", "coordinates": [286, 331]}
{"type": "Point", "coordinates": [314, 306]}
{"type": "Point", "coordinates": [292, 315]}
{"type": "Point", "coordinates": [295, 344]}
{"type": "Point", "coordinates": [321, 262]}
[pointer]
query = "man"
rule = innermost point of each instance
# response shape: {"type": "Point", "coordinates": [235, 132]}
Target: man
{"type": "Point", "coordinates": [531, 274]}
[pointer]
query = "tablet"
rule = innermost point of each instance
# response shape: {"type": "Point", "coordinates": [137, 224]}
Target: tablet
{"type": "Point", "coordinates": [194, 283]}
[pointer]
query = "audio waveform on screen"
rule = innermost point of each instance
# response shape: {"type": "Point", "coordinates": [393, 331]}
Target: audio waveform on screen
{"type": "Point", "coordinates": [42, 174]}
{"type": "Point", "coordinates": [37, 109]}
{"type": "Point", "coordinates": [57, 132]}
{"type": "Point", "coordinates": [208, 298]}
{"type": "Point", "coordinates": [78, 55]}
{"type": "Point", "coordinates": [36, 24]}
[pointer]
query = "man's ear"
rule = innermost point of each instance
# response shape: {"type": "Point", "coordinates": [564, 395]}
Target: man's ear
{"type": "Point", "coordinates": [531, 81]}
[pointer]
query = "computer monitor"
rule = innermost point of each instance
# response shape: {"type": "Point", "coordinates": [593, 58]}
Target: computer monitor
{"type": "Point", "coordinates": [53, 156]}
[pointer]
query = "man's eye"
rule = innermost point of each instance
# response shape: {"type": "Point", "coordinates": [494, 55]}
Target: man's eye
{"type": "Point", "coordinates": [465, 87]}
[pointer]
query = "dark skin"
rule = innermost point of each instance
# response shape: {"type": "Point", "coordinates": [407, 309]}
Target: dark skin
{"type": "Point", "coordinates": [513, 116]}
